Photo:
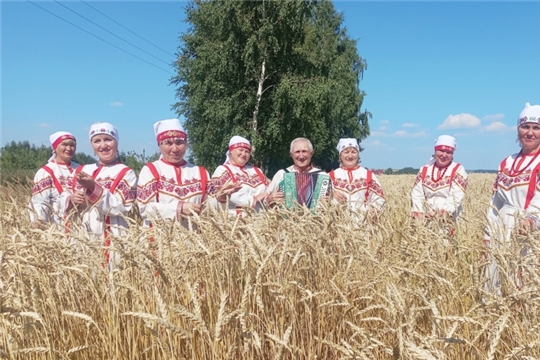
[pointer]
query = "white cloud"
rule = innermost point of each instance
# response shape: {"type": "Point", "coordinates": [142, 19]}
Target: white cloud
{"type": "Point", "coordinates": [403, 133]}
{"type": "Point", "coordinates": [408, 125]}
{"type": "Point", "coordinates": [378, 134]}
{"type": "Point", "coordinates": [493, 117]}
{"type": "Point", "coordinates": [460, 121]}
{"type": "Point", "coordinates": [116, 103]}
{"type": "Point", "coordinates": [496, 126]}
{"type": "Point", "coordinates": [382, 128]}
{"type": "Point", "coordinates": [375, 143]}
{"type": "Point", "coordinates": [44, 125]}
{"type": "Point", "coordinates": [384, 122]}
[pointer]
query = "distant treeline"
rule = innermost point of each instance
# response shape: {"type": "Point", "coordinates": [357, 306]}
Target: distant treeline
{"type": "Point", "coordinates": [19, 160]}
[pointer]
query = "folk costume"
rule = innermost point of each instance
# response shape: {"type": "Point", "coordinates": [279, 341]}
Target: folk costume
{"type": "Point", "coordinates": [113, 196]}
{"type": "Point", "coordinates": [50, 182]}
{"type": "Point", "coordinates": [516, 196]}
{"type": "Point", "coordinates": [362, 188]}
{"type": "Point", "coordinates": [164, 187]}
{"type": "Point", "coordinates": [438, 189]}
{"type": "Point", "coordinates": [251, 177]}
{"type": "Point", "coordinates": [304, 188]}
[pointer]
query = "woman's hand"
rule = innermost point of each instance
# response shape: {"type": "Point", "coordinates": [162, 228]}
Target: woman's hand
{"type": "Point", "coordinates": [275, 198]}
{"type": "Point", "coordinates": [227, 190]}
{"type": "Point", "coordinates": [260, 197]}
{"type": "Point", "coordinates": [86, 181]}
{"type": "Point", "coordinates": [526, 227]}
{"type": "Point", "coordinates": [78, 199]}
{"type": "Point", "coordinates": [190, 208]}
{"type": "Point", "coordinates": [339, 196]}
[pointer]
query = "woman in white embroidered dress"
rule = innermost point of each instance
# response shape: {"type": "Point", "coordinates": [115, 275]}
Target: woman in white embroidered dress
{"type": "Point", "coordinates": [171, 188]}
{"type": "Point", "coordinates": [52, 180]}
{"type": "Point", "coordinates": [236, 184]}
{"type": "Point", "coordinates": [516, 193]}
{"type": "Point", "coordinates": [354, 185]}
{"type": "Point", "coordinates": [105, 190]}
{"type": "Point", "coordinates": [440, 185]}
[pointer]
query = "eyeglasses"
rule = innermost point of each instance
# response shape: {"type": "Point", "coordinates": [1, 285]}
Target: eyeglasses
{"type": "Point", "coordinates": [171, 142]}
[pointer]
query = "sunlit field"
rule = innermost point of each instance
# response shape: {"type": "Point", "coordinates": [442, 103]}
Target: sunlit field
{"type": "Point", "coordinates": [281, 285]}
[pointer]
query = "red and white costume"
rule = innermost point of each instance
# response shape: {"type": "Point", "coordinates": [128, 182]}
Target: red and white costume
{"type": "Point", "coordinates": [439, 189]}
{"type": "Point", "coordinates": [251, 177]}
{"type": "Point", "coordinates": [164, 187]}
{"type": "Point", "coordinates": [361, 187]}
{"type": "Point", "coordinates": [112, 198]}
{"type": "Point", "coordinates": [50, 183]}
{"type": "Point", "coordinates": [516, 196]}
{"type": "Point", "coordinates": [363, 191]}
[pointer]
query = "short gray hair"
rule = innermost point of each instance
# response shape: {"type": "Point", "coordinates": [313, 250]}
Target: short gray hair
{"type": "Point", "coordinates": [310, 145]}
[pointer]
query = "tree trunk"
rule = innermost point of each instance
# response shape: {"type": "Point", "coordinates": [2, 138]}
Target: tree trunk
{"type": "Point", "coordinates": [259, 95]}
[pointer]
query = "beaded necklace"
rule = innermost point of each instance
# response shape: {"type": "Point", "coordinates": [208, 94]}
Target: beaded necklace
{"type": "Point", "coordinates": [517, 171]}
{"type": "Point", "coordinates": [438, 172]}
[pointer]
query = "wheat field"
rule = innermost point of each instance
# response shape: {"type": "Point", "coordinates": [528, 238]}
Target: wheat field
{"type": "Point", "coordinates": [282, 285]}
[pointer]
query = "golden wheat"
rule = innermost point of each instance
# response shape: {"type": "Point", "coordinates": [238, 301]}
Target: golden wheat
{"type": "Point", "coordinates": [281, 285]}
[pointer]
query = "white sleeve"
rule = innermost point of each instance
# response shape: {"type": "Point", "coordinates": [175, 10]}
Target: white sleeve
{"type": "Point", "coordinates": [495, 204]}
{"type": "Point", "coordinates": [119, 202]}
{"type": "Point", "coordinates": [274, 185]}
{"type": "Point", "coordinates": [376, 195]}
{"type": "Point", "coordinates": [147, 191]}
{"type": "Point", "coordinates": [533, 211]}
{"type": "Point", "coordinates": [457, 191]}
{"type": "Point", "coordinates": [417, 194]}
{"type": "Point", "coordinates": [44, 195]}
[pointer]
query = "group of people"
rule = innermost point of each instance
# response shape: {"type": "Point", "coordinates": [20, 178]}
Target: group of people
{"type": "Point", "coordinates": [172, 188]}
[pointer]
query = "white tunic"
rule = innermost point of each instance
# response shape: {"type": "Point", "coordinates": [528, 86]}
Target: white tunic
{"type": "Point", "coordinates": [159, 198]}
{"type": "Point", "coordinates": [361, 194]}
{"type": "Point", "coordinates": [106, 210]}
{"type": "Point", "coordinates": [435, 189]}
{"type": "Point", "coordinates": [253, 183]}
{"type": "Point", "coordinates": [45, 204]}
{"type": "Point", "coordinates": [516, 194]}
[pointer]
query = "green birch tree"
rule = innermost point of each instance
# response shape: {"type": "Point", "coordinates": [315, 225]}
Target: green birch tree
{"type": "Point", "coordinates": [270, 71]}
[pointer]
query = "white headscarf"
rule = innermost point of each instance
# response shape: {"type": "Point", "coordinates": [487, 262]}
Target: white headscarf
{"type": "Point", "coordinates": [168, 129]}
{"type": "Point", "coordinates": [345, 143]}
{"type": "Point", "coordinates": [237, 142]}
{"type": "Point", "coordinates": [103, 128]}
{"type": "Point", "coordinates": [56, 139]}
{"type": "Point", "coordinates": [530, 114]}
{"type": "Point", "coordinates": [443, 141]}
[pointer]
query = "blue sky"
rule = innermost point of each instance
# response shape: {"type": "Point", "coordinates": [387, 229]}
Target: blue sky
{"type": "Point", "coordinates": [460, 68]}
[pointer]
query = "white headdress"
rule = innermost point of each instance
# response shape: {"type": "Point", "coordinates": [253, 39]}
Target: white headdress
{"type": "Point", "coordinates": [443, 142]}
{"type": "Point", "coordinates": [237, 142]}
{"type": "Point", "coordinates": [345, 143]}
{"type": "Point", "coordinates": [530, 114]}
{"type": "Point", "coordinates": [56, 139]}
{"type": "Point", "coordinates": [169, 128]}
{"type": "Point", "coordinates": [103, 128]}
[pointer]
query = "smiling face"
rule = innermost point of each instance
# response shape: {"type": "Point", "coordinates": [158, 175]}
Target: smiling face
{"type": "Point", "coordinates": [443, 158]}
{"type": "Point", "coordinates": [301, 154]}
{"type": "Point", "coordinates": [105, 147]}
{"type": "Point", "coordinates": [66, 150]}
{"type": "Point", "coordinates": [173, 150]}
{"type": "Point", "coordinates": [349, 157]}
{"type": "Point", "coordinates": [239, 156]}
{"type": "Point", "coordinates": [529, 137]}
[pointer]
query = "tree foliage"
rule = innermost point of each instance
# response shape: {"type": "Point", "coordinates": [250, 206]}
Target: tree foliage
{"type": "Point", "coordinates": [270, 71]}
